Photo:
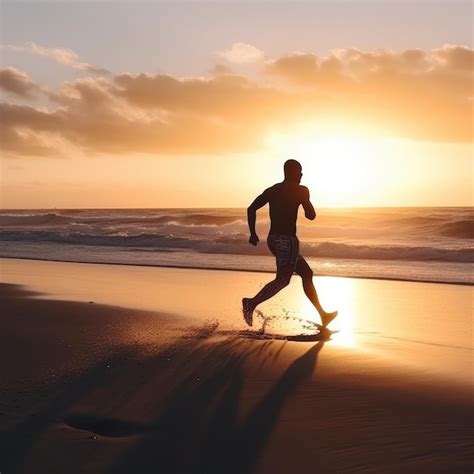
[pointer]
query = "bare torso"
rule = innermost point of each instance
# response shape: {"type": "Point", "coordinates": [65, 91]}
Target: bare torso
{"type": "Point", "coordinates": [284, 199]}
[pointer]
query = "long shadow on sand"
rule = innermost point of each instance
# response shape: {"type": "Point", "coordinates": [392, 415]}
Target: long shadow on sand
{"type": "Point", "coordinates": [198, 431]}
{"type": "Point", "coordinates": [192, 391]}
{"type": "Point", "coordinates": [197, 428]}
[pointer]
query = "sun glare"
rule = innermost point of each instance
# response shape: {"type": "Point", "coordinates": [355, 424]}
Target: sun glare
{"type": "Point", "coordinates": [340, 290]}
{"type": "Point", "coordinates": [339, 169]}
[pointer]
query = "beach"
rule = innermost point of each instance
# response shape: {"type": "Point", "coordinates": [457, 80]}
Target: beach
{"type": "Point", "coordinates": [122, 368]}
{"type": "Point", "coordinates": [236, 237]}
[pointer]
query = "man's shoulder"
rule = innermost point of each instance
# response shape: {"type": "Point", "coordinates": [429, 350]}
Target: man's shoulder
{"type": "Point", "coordinates": [271, 189]}
{"type": "Point", "coordinates": [299, 188]}
{"type": "Point", "coordinates": [303, 190]}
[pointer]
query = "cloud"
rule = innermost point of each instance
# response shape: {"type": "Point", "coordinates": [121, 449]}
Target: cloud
{"type": "Point", "coordinates": [414, 93]}
{"type": "Point", "coordinates": [27, 130]}
{"type": "Point", "coordinates": [152, 114]}
{"type": "Point", "coordinates": [17, 82]}
{"type": "Point", "coordinates": [362, 66]}
{"type": "Point", "coordinates": [63, 56]}
{"type": "Point", "coordinates": [242, 53]}
{"type": "Point", "coordinates": [220, 70]}
{"type": "Point", "coordinates": [457, 58]}
{"type": "Point", "coordinates": [422, 95]}
{"type": "Point", "coordinates": [299, 67]}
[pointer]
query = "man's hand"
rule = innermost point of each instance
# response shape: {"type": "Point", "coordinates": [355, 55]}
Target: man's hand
{"type": "Point", "coordinates": [309, 211]}
{"type": "Point", "coordinates": [259, 202]}
{"type": "Point", "coordinates": [254, 240]}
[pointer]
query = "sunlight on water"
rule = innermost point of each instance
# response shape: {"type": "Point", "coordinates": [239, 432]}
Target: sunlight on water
{"type": "Point", "coordinates": [335, 294]}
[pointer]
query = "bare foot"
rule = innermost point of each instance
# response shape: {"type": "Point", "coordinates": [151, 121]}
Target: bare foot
{"type": "Point", "coordinates": [247, 310]}
{"type": "Point", "coordinates": [326, 318]}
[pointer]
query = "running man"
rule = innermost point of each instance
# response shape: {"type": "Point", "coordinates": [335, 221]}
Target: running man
{"type": "Point", "coordinates": [284, 199]}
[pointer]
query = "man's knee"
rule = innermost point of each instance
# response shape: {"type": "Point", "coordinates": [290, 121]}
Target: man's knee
{"type": "Point", "coordinates": [283, 279]}
{"type": "Point", "coordinates": [306, 274]}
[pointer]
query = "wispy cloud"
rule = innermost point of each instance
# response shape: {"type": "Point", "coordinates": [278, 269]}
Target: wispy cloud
{"type": "Point", "coordinates": [63, 56]}
{"type": "Point", "coordinates": [17, 82]}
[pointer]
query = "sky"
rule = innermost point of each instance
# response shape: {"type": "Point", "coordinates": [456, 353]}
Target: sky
{"type": "Point", "coordinates": [198, 104]}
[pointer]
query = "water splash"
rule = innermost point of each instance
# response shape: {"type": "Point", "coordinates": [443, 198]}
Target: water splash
{"type": "Point", "coordinates": [305, 326]}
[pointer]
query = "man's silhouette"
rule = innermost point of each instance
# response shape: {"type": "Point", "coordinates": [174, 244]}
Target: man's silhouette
{"type": "Point", "coordinates": [284, 199]}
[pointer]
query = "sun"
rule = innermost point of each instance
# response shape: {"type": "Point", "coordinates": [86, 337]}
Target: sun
{"type": "Point", "coordinates": [334, 167]}
{"type": "Point", "coordinates": [341, 170]}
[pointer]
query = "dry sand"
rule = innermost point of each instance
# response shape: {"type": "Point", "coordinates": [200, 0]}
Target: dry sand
{"type": "Point", "coordinates": [150, 370]}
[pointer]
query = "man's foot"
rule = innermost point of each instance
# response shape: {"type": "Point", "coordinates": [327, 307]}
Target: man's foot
{"type": "Point", "coordinates": [326, 318]}
{"type": "Point", "coordinates": [247, 310]}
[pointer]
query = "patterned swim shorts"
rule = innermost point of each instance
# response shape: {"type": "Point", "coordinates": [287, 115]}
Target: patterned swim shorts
{"type": "Point", "coordinates": [285, 248]}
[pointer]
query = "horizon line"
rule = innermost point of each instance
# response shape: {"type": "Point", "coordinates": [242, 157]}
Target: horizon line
{"type": "Point", "coordinates": [217, 208]}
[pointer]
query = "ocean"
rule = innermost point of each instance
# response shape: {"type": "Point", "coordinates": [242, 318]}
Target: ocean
{"type": "Point", "coordinates": [432, 244]}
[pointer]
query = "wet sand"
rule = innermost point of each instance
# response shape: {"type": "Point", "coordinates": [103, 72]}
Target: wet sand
{"type": "Point", "coordinates": [144, 370]}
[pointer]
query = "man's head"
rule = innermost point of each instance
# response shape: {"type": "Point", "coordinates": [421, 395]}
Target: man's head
{"type": "Point", "coordinates": [292, 170]}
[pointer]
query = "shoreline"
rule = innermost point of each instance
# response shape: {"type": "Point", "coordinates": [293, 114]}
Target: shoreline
{"type": "Point", "coordinates": [236, 270]}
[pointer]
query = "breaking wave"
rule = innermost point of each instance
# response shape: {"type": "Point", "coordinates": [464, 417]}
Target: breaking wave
{"type": "Point", "coordinates": [418, 234]}
{"type": "Point", "coordinates": [238, 245]}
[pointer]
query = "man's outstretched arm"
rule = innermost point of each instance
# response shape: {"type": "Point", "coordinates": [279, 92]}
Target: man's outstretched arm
{"type": "Point", "coordinates": [309, 211]}
{"type": "Point", "coordinates": [259, 202]}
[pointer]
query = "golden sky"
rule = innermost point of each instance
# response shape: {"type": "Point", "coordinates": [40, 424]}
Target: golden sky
{"type": "Point", "coordinates": [372, 126]}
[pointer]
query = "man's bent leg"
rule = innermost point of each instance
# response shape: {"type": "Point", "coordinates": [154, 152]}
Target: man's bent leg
{"type": "Point", "coordinates": [306, 274]}
{"type": "Point", "coordinates": [282, 279]}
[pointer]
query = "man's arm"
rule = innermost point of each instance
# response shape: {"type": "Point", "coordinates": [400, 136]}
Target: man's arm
{"type": "Point", "coordinates": [309, 211]}
{"type": "Point", "coordinates": [259, 202]}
